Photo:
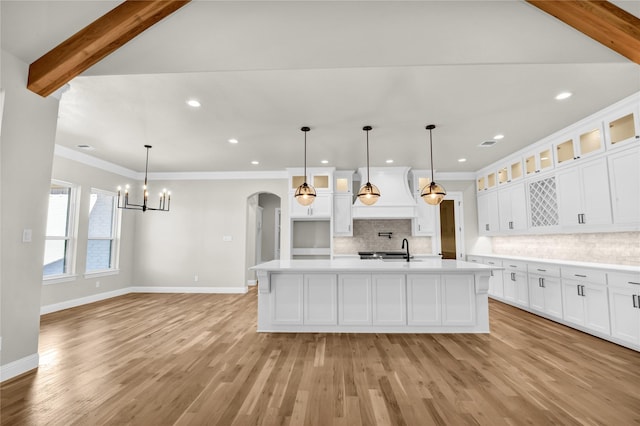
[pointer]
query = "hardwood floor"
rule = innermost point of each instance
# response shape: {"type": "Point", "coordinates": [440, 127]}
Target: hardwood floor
{"type": "Point", "coordinates": [161, 359]}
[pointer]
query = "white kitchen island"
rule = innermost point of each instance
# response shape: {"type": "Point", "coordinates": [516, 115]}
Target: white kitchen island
{"type": "Point", "coordinates": [373, 296]}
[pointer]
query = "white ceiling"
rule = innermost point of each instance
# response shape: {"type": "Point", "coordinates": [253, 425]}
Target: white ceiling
{"type": "Point", "coordinates": [263, 69]}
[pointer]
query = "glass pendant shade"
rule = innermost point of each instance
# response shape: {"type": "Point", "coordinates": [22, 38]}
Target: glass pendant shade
{"type": "Point", "coordinates": [368, 194]}
{"type": "Point", "coordinates": [305, 194]}
{"type": "Point", "coordinates": [433, 194]}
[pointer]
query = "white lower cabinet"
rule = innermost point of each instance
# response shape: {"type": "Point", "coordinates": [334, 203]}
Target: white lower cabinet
{"type": "Point", "coordinates": [423, 296]}
{"type": "Point", "coordinates": [624, 302]}
{"type": "Point", "coordinates": [321, 299]}
{"type": "Point", "coordinates": [458, 300]}
{"type": "Point", "coordinates": [496, 280]}
{"type": "Point", "coordinates": [516, 289]}
{"type": "Point", "coordinates": [545, 290]}
{"type": "Point", "coordinates": [286, 299]}
{"type": "Point", "coordinates": [354, 299]}
{"type": "Point", "coordinates": [585, 304]}
{"type": "Point", "coordinates": [389, 299]}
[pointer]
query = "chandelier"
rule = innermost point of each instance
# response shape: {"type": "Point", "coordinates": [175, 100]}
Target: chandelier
{"type": "Point", "coordinates": [165, 196]}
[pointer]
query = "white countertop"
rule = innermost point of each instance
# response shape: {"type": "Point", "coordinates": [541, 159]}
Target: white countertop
{"type": "Point", "coordinates": [373, 265]}
{"type": "Point", "coordinates": [608, 266]}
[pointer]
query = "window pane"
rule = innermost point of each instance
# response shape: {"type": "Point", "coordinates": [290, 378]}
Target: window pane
{"type": "Point", "coordinates": [54, 257]}
{"type": "Point", "coordinates": [57, 216]}
{"type": "Point", "coordinates": [101, 215]}
{"type": "Point", "coordinates": [98, 255]}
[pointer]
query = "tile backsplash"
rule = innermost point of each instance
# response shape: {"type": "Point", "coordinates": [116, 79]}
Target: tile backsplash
{"type": "Point", "coordinates": [621, 248]}
{"type": "Point", "coordinates": [365, 237]}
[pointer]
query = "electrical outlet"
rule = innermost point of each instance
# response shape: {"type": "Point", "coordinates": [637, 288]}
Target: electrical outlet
{"type": "Point", "coordinates": [97, 284]}
{"type": "Point", "coordinates": [195, 278]}
{"type": "Point", "coordinates": [227, 238]}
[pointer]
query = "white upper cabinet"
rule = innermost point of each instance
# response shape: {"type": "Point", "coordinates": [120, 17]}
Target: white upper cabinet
{"type": "Point", "coordinates": [622, 127]}
{"type": "Point", "coordinates": [583, 199]}
{"type": "Point", "coordinates": [512, 208]}
{"type": "Point", "coordinates": [342, 218]}
{"type": "Point", "coordinates": [488, 222]}
{"type": "Point", "coordinates": [321, 178]}
{"type": "Point", "coordinates": [538, 160]}
{"type": "Point", "coordinates": [624, 175]}
{"type": "Point", "coordinates": [585, 141]}
{"type": "Point", "coordinates": [320, 208]}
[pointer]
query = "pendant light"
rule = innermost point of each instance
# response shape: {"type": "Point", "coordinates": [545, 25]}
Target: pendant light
{"type": "Point", "coordinates": [165, 196]}
{"type": "Point", "coordinates": [433, 193]}
{"type": "Point", "coordinates": [305, 194]}
{"type": "Point", "coordinates": [368, 194]}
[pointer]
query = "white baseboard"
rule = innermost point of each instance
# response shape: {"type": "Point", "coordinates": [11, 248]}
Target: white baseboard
{"type": "Point", "coordinates": [47, 309]}
{"type": "Point", "coordinates": [208, 290]}
{"type": "Point", "coordinates": [251, 283]}
{"type": "Point", "coordinates": [20, 366]}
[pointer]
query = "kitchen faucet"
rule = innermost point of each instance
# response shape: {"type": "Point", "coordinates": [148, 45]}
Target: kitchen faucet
{"type": "Point", "coordinates": [403, 242]}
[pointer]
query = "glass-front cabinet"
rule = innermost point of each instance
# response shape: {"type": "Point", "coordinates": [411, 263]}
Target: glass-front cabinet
{"type": "Point", "coordinates": [512, 171]}
{"type": "Point", "coordinates": [320, 179]}
{"type": "Point", "coordinates": [586, 141]}
{"type": "Point", "coordinates": [622, 127]}
{"type": "Point", "coordinates": [538, 160]}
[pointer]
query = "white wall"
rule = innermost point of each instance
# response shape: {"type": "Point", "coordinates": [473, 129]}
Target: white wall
{"type": "Point", "coordinates": [171, 248]}
{"type": "Point", "coordinates": [269, 203]}
{"type": "Point", "coordinates": [87, 177]}
{"type": "Point", "coordinates": [26, 155]}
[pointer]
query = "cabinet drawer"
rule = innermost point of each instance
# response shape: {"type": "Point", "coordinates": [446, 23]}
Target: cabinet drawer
{"type": "Point", "coordinates": [544, 269]}
{"type": "Point", "coordinates": [623, 279]}
{"type": "Point", "coordinates": [585, 274]}
{"type": "Point", "coordinates": [513, 265]}
{"type": "Point", "coordinates": [475, 259]}
{"type": "Point", "coordinates": [493, 262]}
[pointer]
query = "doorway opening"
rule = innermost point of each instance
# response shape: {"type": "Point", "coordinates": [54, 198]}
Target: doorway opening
{"type": "Point", "coordinates": [451, 227]}
{"type": "Point", "coordinates": [262, 231]}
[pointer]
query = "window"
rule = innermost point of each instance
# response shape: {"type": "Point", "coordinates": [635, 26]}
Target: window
{"type": "Point", "coordinates": [102, 247]}
{"type": "Point", "coordinates": [59, 255]}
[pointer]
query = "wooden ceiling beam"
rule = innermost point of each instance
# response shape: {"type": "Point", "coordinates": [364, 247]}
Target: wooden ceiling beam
{"type": "Point", "coordinates": [601, 20]}
{"type": "Point", "coordinates": [97, 40]}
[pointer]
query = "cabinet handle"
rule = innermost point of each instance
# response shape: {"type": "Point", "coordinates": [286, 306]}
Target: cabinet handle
{"type": "Point", "coordinates": [584, 221]}
{"type": "Point", "coordinates": [582, 291]}
{"type": "Point", "coordinates": [491, 273]}
{"type": "Point", "coordinates": [513, 276]}
{"type": "Point", "coordinates": [542, 270]}
{"type": "Point", "coordinates": [493, 263]}
{"type": "Point", "coordinates": [634, 300]}
{"type": "Point", "coordinates": [513, 266]}
{"type": "Point", "coordinates": [510, 225]}
{"type": "Point", "coordinates": [486, 227]}
{"type": "Point", "coordinates": [541, 282]}
{"type": "Point", "coordinates": [632, 282]}
{"type": "Point", "coordinates": [578, 287]}
{"type": "Point", "coordinates": [581, 276]}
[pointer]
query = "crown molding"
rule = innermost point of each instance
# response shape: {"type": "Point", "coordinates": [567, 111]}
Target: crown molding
{"type": "Point", "coordinates": [273, 174]}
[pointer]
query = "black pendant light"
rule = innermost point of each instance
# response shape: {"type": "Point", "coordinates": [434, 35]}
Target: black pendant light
{"type": "Point", "coordinates": [305, 194]}
{"type": "Point", "coordinates": [433, 193]}
{"type": "Point", "coordinates": [368, 194]}
{"type": "Point", "coordinates": [165, 196]}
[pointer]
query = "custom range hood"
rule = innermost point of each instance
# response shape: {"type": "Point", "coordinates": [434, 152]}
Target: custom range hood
{"type": "Point", "coordinates": [396, 200]}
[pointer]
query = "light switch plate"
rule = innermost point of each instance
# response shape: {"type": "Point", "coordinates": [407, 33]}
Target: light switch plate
{"type": "Point", "coordinates": [26, 235]}
{"type": "Point", "coordinates": [226, 238]}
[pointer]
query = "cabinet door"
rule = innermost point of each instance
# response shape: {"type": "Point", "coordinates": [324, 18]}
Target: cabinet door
{"type": "Point", "coordinates": [509, 285]}
{"type": "Point", "coordinates": [354, 299]}
{"type": "Point", "coordinates": [458, 300]}
{"type": "Point", "coordinates": [321, 207]}
{"type": "Point", "coordinates": [552, 296]}
{"type": "Point", "coordinates": [522, 289]}
{"type": "Point", "coordinates": [596, 307]}
{"type": "Point", "coordinates": [496, 285]}
{"type": "Point", "coordinates": [569, 196]}
{"type": "Point", "coordinates": [518, 208]}
{"type": "Point", "coordinates": [342, 215]}
{"type": "Point", "coordinates": [286, 298]}
{"type": "Point", "coordinates": [296, 209]}
{"type": "Point", "coordinates": [572, 302]}
{"type": "Point", "coordinates": [425, 221]}
{"type": "Point", "coordinates": [536, 293]}
{"type": "Point", "coordinates": [321, 299]}
{"type": "Point", "coordinates": [389, 299]}
{"type": "Point", "coordinates": [595, 193]}
{"type": "Point", "coordinates": [423, 296]}
{"type": "Point", "coordinates": [624, 176]}
{"type": "Point", "coordinates": [625, 317]}
{"type": "Point", "coordinates": [504, 209]}
{"type": "Point", "coordinates": [488, 213]}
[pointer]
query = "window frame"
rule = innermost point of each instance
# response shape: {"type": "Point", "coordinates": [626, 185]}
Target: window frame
{"type": "Point", "coordinates": [71, 235]}
{"type": "Point", "coordinates": [114, 260]}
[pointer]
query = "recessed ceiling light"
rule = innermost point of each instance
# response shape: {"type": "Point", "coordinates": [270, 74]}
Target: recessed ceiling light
{"type": "Point", "coordinates": [324, 161]}
{"type": "Point", "coordinates": [461, 160]}
{"type": "Point", "coordinates": [233, 141]}
{"type": "Point", "coordinates": [499, 136]}
{"type": "Point", "coordinates": [255, 163]}
{"type": "Point", "coordinates": [85, 147]}
{"type": "Point", "coordinates": [563, 95]}
{"type": "Point", "coordinates": [389, 161]}
{"type": "Point", "coordinates": [193, 103]}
